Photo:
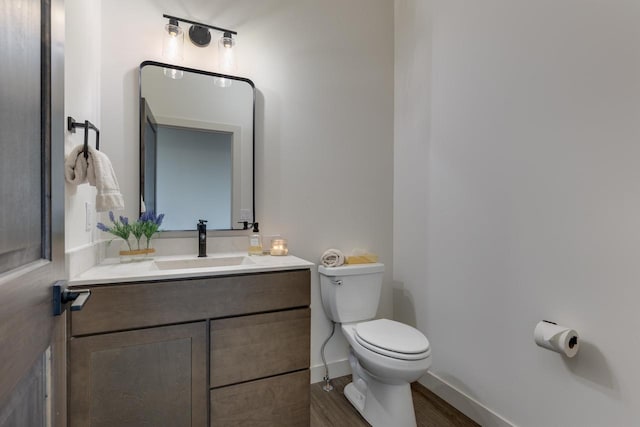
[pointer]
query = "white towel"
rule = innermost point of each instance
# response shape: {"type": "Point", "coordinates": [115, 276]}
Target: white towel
{"type": "Point", "coordinates": [98, 172]}
{"type": "Point", "coordinates": [75, 167]}
{"type": "Point", "coordinates": [332, 258]}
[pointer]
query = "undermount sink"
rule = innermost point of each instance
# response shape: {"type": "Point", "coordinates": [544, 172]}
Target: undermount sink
{"type": "Point", "coordinates": [175, 264]}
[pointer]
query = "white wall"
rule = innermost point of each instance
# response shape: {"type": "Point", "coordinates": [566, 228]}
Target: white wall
{"type": "Point", "coordinates": [82, 102]}
{"type": "Point", "coordinates": [324, 74]}
{"type": "Point", "coordinates": [517, 141]}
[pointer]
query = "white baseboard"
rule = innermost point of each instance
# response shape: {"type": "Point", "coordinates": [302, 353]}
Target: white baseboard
{"type": "Point", "coordinates": [464, 403]}
{"type": "Point", "coordinates": [338, 368]}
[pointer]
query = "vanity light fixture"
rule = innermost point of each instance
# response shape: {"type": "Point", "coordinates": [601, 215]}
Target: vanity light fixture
{"type": "Point", "coordinates": [226, 59]}
{"type": "Point", "coordinates": [200, 35]}
{"type": "Point", "coordinates": [173, 41]}
{"type": "Point", "coordinates": [172, 46]}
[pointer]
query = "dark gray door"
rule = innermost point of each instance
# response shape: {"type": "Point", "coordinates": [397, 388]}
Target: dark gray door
{"type": "Point", "coordinates": [32, 341]}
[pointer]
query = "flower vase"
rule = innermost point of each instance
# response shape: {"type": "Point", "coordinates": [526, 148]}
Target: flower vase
{"type": "Point", "coordinates": [133, 251]}
{"type": "Point", "coordinates": [126, 252]}
{"type": "Point", "coordinates": [149, 250]}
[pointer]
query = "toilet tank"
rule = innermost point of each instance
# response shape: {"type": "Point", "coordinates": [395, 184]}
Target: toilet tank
{"type": "Point", "coordinates": [351, 293]}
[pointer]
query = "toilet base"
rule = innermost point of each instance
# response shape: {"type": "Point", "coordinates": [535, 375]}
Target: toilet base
{"type": "Point", "coordinates": [354, 397]}
{"type": "Point", "coordinates": [383, 405]}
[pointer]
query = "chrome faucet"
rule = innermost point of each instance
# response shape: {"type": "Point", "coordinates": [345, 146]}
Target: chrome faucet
{"type": "Point", "coordinates": [202, 238]}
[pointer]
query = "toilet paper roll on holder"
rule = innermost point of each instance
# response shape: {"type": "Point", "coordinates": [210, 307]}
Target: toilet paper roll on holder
{"type": "Point", "coordinates": [561, 339]}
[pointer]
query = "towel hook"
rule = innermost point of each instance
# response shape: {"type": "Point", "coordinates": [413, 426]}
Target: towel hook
{"type": "Point", "coordinates": [71, 127]}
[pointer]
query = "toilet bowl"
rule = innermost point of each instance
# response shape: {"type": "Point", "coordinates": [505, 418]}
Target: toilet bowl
{"type": "Point", "coordinates": [380, 389]}
{"type": "Point", "coordinates": [385, 355]}
{"type": "Point", "coordinates": [391, 364]}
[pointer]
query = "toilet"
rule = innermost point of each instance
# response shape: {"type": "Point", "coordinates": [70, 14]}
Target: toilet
{"type": "Point", "coordinates": [385, 355]}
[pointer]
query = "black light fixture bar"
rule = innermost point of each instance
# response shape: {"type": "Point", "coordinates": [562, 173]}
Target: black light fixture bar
{"type": "Point", "coordinates": [223, 30]}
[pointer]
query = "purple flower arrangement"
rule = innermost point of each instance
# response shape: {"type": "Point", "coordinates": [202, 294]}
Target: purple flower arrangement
{"type": "Point", "coordinates": [147, 225]}
{"type": "Point", "coordinates": [150, 224]}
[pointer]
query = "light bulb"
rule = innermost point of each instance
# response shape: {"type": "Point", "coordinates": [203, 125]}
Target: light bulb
{"type": "Point", "coordinates": [226, 55]}
{"type": "Point", "coordinates": [173, 43]}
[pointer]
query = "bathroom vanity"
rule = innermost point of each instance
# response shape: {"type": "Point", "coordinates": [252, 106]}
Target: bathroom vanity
{"type": "Point", "coordinates": [192, 346]}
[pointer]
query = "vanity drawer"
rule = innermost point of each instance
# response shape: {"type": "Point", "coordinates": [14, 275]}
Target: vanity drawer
{"type": "Point", "coordinates": [145, 304]}
{"type": "Point", "coordinates": [277, 401]}
{"type": "Point", "coordinates": [250, 347]}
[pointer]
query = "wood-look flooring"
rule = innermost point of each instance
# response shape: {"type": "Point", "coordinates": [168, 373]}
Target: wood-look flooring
{"type": "Point", "coordinates": [332, 409]}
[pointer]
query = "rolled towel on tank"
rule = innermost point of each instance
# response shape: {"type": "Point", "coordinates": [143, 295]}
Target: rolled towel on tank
{"type": "Point", "coordinates": [332, 258]}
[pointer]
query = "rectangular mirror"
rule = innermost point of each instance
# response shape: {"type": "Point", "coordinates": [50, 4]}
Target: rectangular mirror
{"type": "Point", "coordinates": [196, 147]}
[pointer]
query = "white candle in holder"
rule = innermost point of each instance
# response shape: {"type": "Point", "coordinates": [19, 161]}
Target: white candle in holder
{"type": "Point", "coordinates": [279, 247]}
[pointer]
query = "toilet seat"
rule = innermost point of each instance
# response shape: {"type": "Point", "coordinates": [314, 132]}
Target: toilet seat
{"type": "Point", "coordinates": [392, 339]}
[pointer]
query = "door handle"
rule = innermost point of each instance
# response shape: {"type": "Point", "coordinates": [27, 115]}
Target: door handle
{"type": "Point", "coordinates": [62, 296]}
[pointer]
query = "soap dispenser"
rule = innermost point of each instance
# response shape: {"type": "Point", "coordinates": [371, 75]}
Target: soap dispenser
{"type": "Point", "coordinates": [255, 241]}
{"type": "Point", "coordinates": [202, 238]}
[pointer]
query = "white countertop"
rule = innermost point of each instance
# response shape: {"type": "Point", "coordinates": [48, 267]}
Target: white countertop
{"type": "Point", "coordinates": [113, 271]}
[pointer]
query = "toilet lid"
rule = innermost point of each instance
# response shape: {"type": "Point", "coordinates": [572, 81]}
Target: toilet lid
{"type": "Point", "coordinates": [392, 338]}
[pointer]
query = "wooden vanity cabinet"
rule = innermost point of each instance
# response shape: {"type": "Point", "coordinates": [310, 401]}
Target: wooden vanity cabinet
{"type": "Point", "coordinates": [219, 351]}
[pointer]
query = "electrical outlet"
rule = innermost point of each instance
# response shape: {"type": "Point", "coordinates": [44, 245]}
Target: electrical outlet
{"type": "Point", "coordinates": [88, 210]}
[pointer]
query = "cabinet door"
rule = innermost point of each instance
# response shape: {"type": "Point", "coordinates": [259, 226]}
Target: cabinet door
{"type": "Point", "coordinates": [148, 377]}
